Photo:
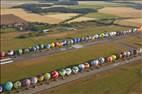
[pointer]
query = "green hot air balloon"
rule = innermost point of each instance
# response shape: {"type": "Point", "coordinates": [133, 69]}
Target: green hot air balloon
{"type": "Point", "coordinates": [17, 84]}
{"type": "Point", "coordinates": [62, 72]}
{"type": "Point", "coordinates": [47, 76]}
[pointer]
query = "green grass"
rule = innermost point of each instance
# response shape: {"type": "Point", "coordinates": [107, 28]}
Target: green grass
{"type": "Point", "coordinates": [27, 68]}
{"type": "Point", "coordinates": [123, 80]}
{"type": "Point", "coordinates": [7, 30]}
{"type": "Point", "coordinates": [100, 15]}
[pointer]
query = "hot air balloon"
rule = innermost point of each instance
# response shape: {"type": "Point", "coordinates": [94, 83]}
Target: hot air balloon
{"type": "Point", "coordinates": [1, 89]}
{"type": "Point", "coordinates": [10, 53]}
{"type": "Point", "coordinates": [95, 63]}
{"type": "Point", "coordinates": [37, 47]}
{"type": "Point", "coordinates": [17, 84]}
{"type": "Point", "coordinates": [101, 60]}
{"type": "Point", "coordinates": [26, 83]}
{"type": "Point", "coordinates": [41, 46]}
{"type": "Point", "coordinates": [86, 65]}
{"type": "Point", "coordinates": [2, 54]}
{"type": "Point", "coordinates": [54, 75]}
{"type": "Point", "coordinates": [62, 72]}
{"type": "Point", "coordinates": [68, 71]}
{"type": "Point", "coordinates": [33, 49]}
{"type": "Point", "coordinates": [102, 35]}
{"type": "Point", "coordinates": [40, 78]}
{"type": "Point", "coordinates": [75, 69]}
{"type": "Point", "coordinates": [26, 50]}
{"type": "Point", "coordinates": [19, 51]}
{"type": "Point", "coordinates": [114, 57]}
{"type": "Point", "coordinates": [52, 45]}
{"type": "Point", "coordinates": [47, 76]}
{"type": "Point", "coordinates": [47, 46]}
{"type": "Point", "coordinates": [109, 59]}
{"type": "Point", "coordinates": [8, 86]}
{"type": "Point", "coordinates": [81, 67]}
{"type": "Point", "coordinates": [34, 80]}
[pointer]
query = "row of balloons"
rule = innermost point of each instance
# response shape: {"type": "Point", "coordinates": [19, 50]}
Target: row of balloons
{"type": "Point", "coordinates": [63, 43]}
{"type": "Point", "coordinates": [92, 64]}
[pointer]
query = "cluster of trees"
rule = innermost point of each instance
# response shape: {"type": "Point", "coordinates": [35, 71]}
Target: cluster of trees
{"type": "Point", "coordinates": [36, 9]}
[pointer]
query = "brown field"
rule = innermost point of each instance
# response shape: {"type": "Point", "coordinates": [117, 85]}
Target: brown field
{"type": "Point", "coordinates": [122, 11]}
{"type": "Point", "coordinates": [31, 17]}
{"type": "Point", "coordinates": [10, 19]}
{"type": "Point", "coordinates": [131, 22]}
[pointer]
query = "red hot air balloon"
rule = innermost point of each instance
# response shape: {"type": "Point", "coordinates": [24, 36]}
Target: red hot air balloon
{"type": "Point", "coordinates": [54, 75]}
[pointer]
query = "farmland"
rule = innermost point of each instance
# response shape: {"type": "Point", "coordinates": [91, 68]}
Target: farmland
{"type": "Point", "coordinates": [122, 80]}
{"type": "Point", "coordinates": [68, 24]}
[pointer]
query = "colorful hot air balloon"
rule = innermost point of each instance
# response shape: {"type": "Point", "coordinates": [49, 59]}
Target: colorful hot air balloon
{"type": "Point", "coordinates": [17, 84]}
{"type": "Point", "coordinates": [40, 78]}
{"type": "Point", "coordinates": [101, 60]}
{"type": "Point", "coordinates": [47, 76]}
{"type": "Point", "coordinates": [68, 71]}
{"type": "Point", "coordinates": [2, 54]}
{"type": "Point", "coordinates": [19, 51]}
{"type": "Point", "coordinates": [81, 67]}
{"type": "Point", "coordinates": [75, 69]}
{"type": "Point", "coordinates": [10, 53]}
{"type": "Point", "coordinates": [62, 72]}
{"type": "Point", "coordinates": [54, 74]}
{"type": "Point", "coordinates": [26, 50]}
{"type": "Point", "coordinates": [114, 57]}
{"type": "Point", "coordinates": [47, 46]}
{"type": "Point", "coordinates": [109, 59]}
{"type": "Point", "coordinates": [26, 83]}
{"type": "Point", "coordinates": [94, 63]}
{"type": "Point", "coordinates": [8, 86]}
{"type": "Point", "coordinates": [52, 45]}
{"type": "Point", "coordinates": [1, 89]}
{"type": "Point", "coordinates": [34, 80]}
{"type": "Point", "coordinates": [41, 46]}
{"type": "Point", "coordinates": [86, 65]}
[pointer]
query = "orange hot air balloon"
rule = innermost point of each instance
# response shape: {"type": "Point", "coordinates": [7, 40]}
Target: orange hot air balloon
{"type": "Point", "coordinates": [139, 29]}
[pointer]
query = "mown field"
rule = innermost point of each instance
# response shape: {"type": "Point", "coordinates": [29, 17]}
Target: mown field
{"type": "Point", "coordinates": [34, 66]}
{"type": "Point", "coordinates": [125, 79]}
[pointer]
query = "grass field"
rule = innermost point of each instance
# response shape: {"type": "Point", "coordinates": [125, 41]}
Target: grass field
{"type": "Point", "coordinates": [122, 80]}
{"type": "Point", "coordinates": [9, 40]}
{"type": "Point", "coordinates": [26, 68]}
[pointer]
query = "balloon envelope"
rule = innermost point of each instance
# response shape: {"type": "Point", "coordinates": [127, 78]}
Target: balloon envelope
{"type": "Point", "coordinates": [34, 80]}
{"type": "Point", "coordinates": [40, 78]}
{"type": "Point", "coordinates": [47, 76]}
{"type": "Point", "coordinates": [62, 72]}
{"type": "Point", "coordinates": [8, 86]}
{"type": "Point", "coordinates": [17, 84]}
{"type": "Point", "coordinates": [68, 71]}
{"type": "Point", "coordinates": [1, 88]}
{"type": "Point", "coordinates": [26, 82]}
{"type": "Point", "coordinates": [54, 74]}
{"type": "Point", "coordinates": [75, 69]}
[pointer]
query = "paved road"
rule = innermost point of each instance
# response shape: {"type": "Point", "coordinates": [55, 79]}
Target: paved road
{"type": "Point", "coordinates": [77, 76]}
{"type": "Point", "coordinates": [85, 44]}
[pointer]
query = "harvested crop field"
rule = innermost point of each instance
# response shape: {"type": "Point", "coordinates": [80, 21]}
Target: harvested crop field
{"type": "Point", "coordinates": [11, 19]}
{"type": "Point", "coordinates": [122, 11]}
{"type": "Point", "coordinates": [31, 17]}
{"type": "Point", "coordinates": [131, 22]}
